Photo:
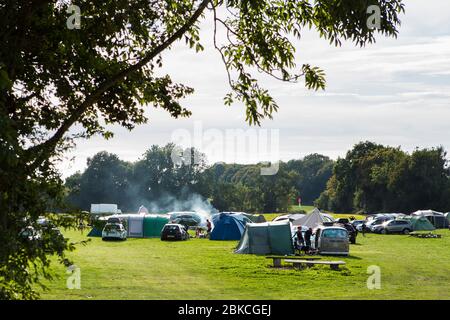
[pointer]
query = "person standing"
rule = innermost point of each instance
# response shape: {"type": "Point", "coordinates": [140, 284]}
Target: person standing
{"type": "Point", "coordinates": [308, 235]}
{"type": "Point", "coordinates": [208, 226]}
{"type": "Point", "coordinates": [300, 239]}
{"type": "Point", "coordinates": [363, 229]}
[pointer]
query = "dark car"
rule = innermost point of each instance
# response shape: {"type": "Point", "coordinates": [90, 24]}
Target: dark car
{"type": "Point", "coordinates": [174, 231]}
{"type": "Point", "coordinates": [342, 220]}
{"type": "Point", "coordinates": [352, 232]}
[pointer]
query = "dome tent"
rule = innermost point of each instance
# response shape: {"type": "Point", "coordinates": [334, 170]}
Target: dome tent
{"type": "Point", "coordinates": [255, 218]}
{"type": "Point", "coordinates": [228, 226]}
{"type": "Point", "coordinates": [420, 223]}
{"type": "Point", "coordinates": [267, 238]}
{"type": "Point", "coordinates": [436, 218]}
{"type": "Point", "coordinates": [290, 217]}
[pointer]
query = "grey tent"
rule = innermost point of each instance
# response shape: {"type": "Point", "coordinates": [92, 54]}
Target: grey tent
{"type": "Point", "coordinates": [256, 218]}
{"type": "Point", "coordinates": [290, 217]}
{"type": "Point", "coordinates": [438, 219]}
{"type": "Point", "coordinates": [313, 219]}
{"type": "Point", "coordinates": [267, 238]}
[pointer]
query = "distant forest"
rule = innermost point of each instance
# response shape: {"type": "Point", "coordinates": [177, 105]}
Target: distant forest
{"type": "Point", "coordinates": [371, 178]}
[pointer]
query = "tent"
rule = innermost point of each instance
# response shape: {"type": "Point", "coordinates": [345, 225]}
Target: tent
{"type": "Point", "coordinates": [420, 223]}
{"type": "Point", "coordinates": [267, 238]}
{"type": "Point", "coordinates": [256, 218]}
{"type": "Point", "coordinates": [436, 218]}
{"type": "Point", "coordinates": [142, 210]}
{"type": "Point", "coordinates": [135, 226]}
{"type": "Point", "coordinates": [228, 226]}
{"type": "Point", "coordinates": [291, 217]}
{"type": "Point", "coordinates": [153, 225]}
{"type": "Point", "coordinates": [447, 215]}
{"type": "Point", "coordinates": [313, 219]}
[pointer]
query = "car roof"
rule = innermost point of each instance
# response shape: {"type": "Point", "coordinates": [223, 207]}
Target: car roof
{"type": "Point", "coordinates": [331, 227]}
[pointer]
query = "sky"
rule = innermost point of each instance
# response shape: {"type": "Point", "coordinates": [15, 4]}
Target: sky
{"type": "Point", "coordinates": [394, 92]}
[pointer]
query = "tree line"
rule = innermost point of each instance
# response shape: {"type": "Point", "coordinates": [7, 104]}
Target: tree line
{"type": "Point", "coordinates": [376, 178]}
{"type": "Point", "coordinates": [370, 178]}
{"type": "Point", "coordinates": [233, 187]}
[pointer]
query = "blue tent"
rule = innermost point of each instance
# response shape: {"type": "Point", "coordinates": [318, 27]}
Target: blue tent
{"type": "Point", "coordinates": [228, 226]}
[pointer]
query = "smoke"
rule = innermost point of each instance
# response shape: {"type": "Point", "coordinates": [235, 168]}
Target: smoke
{"type": "Point", "coordinates": [165, 202]}
{"type": "Point", "coordinates": [192, 202]}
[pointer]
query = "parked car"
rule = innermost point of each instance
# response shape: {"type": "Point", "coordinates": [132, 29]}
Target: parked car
{"type": "Point", "coordinates": [174, 231]}
{"type": "Point", "coordinates": [375, 222]}
{"type": "Point", "coordinates": [342, 220]}
{"type": "Point", "coordinates": [114, 231]}
{"type": "Point", "coordinates": [357, 224]}
{"type": "Point", "coordinates": [394, 226]}
{"type": "Point", "coordinates": [352, 232]}
{"type": "Point", "coordinates": [331, 240]}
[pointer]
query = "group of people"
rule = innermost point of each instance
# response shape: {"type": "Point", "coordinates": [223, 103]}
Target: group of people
{"type": "Point", "coordinates": [304, 240]}
{"type": "Point", "coordinates": [199, 231]}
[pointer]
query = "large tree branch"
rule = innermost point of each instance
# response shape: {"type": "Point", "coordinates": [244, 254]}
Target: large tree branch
{"type": "Point", "coordinates": [48, 146]}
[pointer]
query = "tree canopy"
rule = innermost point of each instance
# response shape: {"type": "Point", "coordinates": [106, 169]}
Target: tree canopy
{"type": "Point", "coordinates": [375, 178]}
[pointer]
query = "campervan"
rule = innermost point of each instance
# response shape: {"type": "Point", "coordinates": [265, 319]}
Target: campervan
{"type": "Point", "coordinates": [331, 240]}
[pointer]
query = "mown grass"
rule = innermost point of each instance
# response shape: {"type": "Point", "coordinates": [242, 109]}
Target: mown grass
{"type": "Point", "coordinates": [411, 268]}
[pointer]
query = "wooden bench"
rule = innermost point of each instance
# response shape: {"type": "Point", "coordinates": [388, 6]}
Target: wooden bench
{"type": "Point", "coordinates": [299, 263]}
{"type": "Point", "coordinates": [277, 259]}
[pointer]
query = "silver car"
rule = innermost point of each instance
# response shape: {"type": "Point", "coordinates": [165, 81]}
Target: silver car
{"type": "Point", "coordinates": [394, 226]}
{"type": "Point", "coordinates": [113, 231]}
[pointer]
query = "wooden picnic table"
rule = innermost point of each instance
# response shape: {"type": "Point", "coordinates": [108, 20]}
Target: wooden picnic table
{"type": "Point", "coordinates": [297, 263]}
{"type": "Point", "coordinates": [277, 259]}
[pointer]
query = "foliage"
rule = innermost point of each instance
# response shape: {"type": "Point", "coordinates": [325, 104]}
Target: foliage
{"type": "Point", "coordinates": [230, 187]}
{"type": "Point", "coordinates": [374, 178]}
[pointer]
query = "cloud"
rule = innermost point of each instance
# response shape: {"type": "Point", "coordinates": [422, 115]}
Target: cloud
{"type": "Point", "coordinates": [394, 92]}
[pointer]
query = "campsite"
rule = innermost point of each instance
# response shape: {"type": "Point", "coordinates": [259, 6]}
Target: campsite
{"type": "Point", "coordinates": [205, 149]}
{"type": "Point", "coordinates": [147, 268]}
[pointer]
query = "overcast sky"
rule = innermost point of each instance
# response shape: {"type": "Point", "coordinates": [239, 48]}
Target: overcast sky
{"type": "Point", "coordinates": [395, 92]}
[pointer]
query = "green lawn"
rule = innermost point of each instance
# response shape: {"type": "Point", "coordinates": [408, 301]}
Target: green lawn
{"type": "Point", "coordinates": [411, 268]}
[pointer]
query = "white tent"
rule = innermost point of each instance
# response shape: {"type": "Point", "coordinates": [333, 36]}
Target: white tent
{"type": "Point", "coordinates": [291, 217]}
{"type": "Point", "coordinates": [143, 210]}
{"type": "Point", "coordinates": [313, 219]}
{"type": "Point", "coordinates": [427, 213]}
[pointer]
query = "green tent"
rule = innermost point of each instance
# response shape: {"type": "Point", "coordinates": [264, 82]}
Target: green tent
{"type": "Point", "coordinates": [267, 238]}
{"type": "Point", "coordinates": [95, 232]}
{"type": "Point", "coordinates": [153, 225]}
{"type": "Point", "coordinates": [420, 223]}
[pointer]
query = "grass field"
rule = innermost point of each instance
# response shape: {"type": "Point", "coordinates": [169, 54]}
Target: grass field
{"type": "Point", "coordinates": [411, 268]}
